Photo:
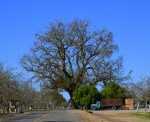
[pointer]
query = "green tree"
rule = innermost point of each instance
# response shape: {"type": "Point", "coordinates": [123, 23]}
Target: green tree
{"type": "Point", "coordinates": [86, 95]}
{"type": "Point", "coordinates": [113, 90]}
{"type": "Point", "coordinates": [66, 55]}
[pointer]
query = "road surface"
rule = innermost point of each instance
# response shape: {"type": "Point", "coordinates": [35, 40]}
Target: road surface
{"type": "Point", "coordinates": [46, 116]}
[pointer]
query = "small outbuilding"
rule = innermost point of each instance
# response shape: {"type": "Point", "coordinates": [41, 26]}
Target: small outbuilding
{"type": "Point", "coordinates": [129, 103]}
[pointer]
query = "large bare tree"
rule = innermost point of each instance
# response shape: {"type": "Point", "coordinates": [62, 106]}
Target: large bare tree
{"type": "Point", "coordinates": [69, 55]}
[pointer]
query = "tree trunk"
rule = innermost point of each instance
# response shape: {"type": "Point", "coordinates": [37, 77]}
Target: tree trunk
{"type": "Point", "coordinates": [3, 109]}
{"type": "Point", "coordinates": [9, 107]}
{"type": "Point", "coordinates": [72, 102]}
{"type": "Point", "coordinates": [137, 110]}
{"type": "Point", "coordinates": [145, 107]}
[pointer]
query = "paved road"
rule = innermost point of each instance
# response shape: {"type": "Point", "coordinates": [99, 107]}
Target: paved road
{"type": "Point", "coordinates": [46, 116]}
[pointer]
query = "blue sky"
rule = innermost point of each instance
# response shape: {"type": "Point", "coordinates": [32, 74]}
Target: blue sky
{"type": "Point", "coordinates": [129, 20]}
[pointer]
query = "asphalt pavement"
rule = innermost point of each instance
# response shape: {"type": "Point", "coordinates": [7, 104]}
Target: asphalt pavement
{"type": "Point", "coordinates": [59, 115]}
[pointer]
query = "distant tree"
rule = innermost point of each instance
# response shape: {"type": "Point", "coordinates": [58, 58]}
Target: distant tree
{"type": "Point", "coordinates": [140, 90]}
{"type": "Point", "coordinates": [86, 95]}
{"type": "Point", "coordinates": [14, 87]}
{"type": "Point", "coordinates": [146, 91]}
{"type": "Point", "coordinates": [28, 95]}
{"type": "Point", "coordinates": [68, 54]}
{"type": "Point", "coordinates": [113, 90]}
{"type": "Point", "coordinates": [52, 99]}
{"type": "Point", "coordinates": [9, 86]}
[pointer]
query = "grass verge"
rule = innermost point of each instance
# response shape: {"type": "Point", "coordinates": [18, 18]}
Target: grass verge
{"type": "Point", "coordinates": [143, 115]}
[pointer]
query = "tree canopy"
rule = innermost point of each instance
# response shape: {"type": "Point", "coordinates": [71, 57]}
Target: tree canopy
{"type": "Point", "coordinates": [113, 90]}
{"type": "Point", "coordinates": [86, 95]}
{"type": "Point", "coordinates": [67, 56]}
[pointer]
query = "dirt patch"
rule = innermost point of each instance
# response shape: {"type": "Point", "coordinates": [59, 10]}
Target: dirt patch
{"type": "Point", "coordinates": [88, 117]}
